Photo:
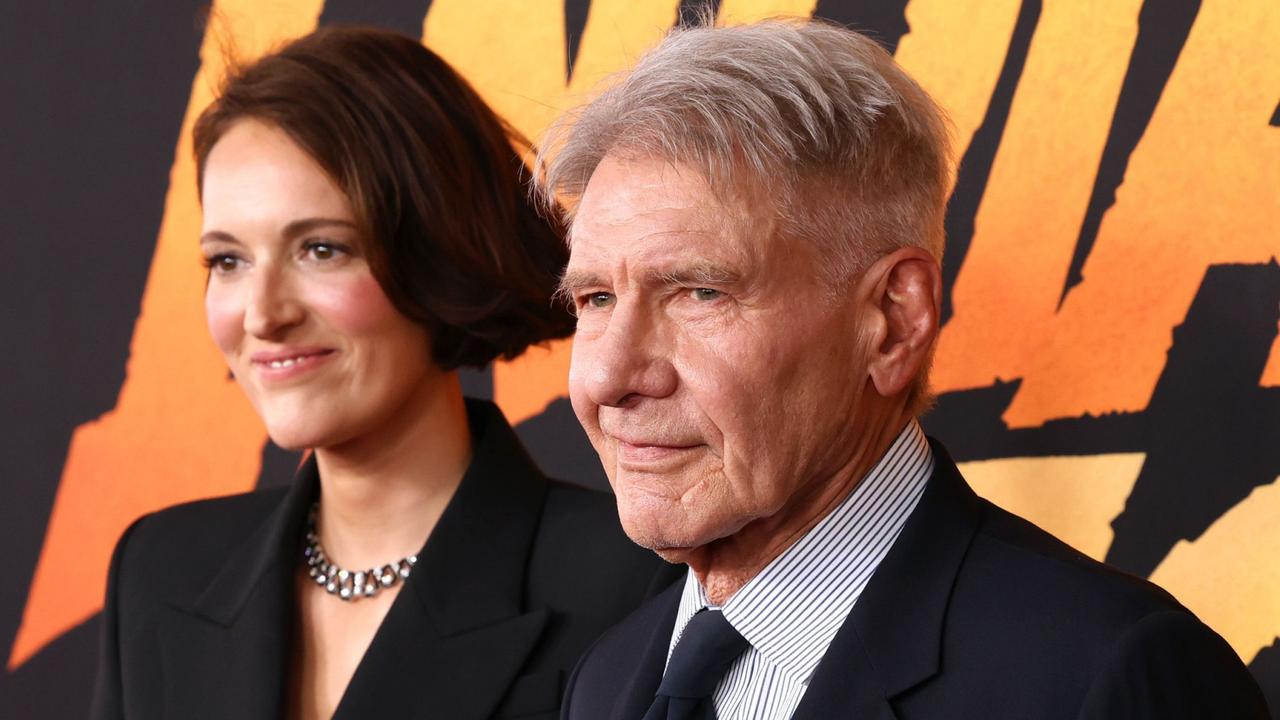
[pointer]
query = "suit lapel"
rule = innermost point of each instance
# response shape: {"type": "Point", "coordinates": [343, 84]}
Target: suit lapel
{"type": "Point", "coordinates": [892, 640]}
{"type": "Point", "coordinates": [459, 633]}
{"type": "Point", "coordinates": [226, 655]}
{"type": "Point", "coordinates": [658, 618]}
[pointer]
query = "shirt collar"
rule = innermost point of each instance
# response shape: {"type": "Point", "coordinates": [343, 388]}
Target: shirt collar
{"type": "Point", "coordinates": [791, 610]}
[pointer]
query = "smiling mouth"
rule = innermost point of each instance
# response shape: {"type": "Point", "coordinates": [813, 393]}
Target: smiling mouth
{"type": "Point", "coordinates": [283, 367]}
{"type": "Point", "coordinates": [287, 362]}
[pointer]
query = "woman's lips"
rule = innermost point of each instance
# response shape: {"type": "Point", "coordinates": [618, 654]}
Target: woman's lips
{"type": "Point", "coordinates": [282, 365]}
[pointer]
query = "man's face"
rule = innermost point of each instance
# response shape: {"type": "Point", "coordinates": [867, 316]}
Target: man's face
{"type": "Point", "coordinates": [715, 373]}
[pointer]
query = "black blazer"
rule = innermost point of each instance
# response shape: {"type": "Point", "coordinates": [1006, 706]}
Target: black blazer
{"type": "Point", "coordinates": [974, 613]}
{"type": "Point", "coordinates": [520, 575]}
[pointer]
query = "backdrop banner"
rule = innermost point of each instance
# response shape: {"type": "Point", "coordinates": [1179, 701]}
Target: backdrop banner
{"type": "Point", "coordinates": [1108, 366]}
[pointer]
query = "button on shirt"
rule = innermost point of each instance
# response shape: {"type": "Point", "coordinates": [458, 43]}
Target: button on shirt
{"type": "Point", "coordinates": [790, 611]}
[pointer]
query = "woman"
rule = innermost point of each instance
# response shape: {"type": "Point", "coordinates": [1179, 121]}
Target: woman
{"type": "Point", "coordinates": [367, 232]}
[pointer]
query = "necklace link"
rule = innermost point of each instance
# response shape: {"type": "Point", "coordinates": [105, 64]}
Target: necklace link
{"type": "Point", "coordinates": [349, 586]}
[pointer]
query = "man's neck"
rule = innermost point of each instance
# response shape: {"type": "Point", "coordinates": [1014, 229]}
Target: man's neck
{"type": "Point", "coordinates": [724, 566]}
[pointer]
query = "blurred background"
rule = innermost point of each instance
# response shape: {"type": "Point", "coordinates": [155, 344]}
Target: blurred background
{"type": "Point", "coordinates": [1108, 366]}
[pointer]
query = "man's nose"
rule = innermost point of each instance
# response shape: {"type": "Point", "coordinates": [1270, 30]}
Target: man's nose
{"type": "Point", "coordinates": [629, 361]}
{"type": "Point", "coordinates": [272, 306]}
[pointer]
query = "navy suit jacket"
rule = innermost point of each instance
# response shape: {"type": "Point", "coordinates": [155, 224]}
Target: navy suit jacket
{"type": "Point", "coordinates": [519, 576]}
{"type": "Point", "coordinates": [973, 614]}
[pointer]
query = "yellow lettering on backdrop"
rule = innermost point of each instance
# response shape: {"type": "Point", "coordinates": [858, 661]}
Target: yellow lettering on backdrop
{"type": "Point", "coordinates": [617, 33]}
{"type": "Point", "coordinates": [1201, 189]}
{"type": "Point", "coordinates": [1229, 575]}
{"type": "Point", "coordinates": [180, 429]}
{"type": "Point", "coordinates": [1026, 228]}
{"type": "Point", "coordinates": [739, 12]}
{"type": "Point", "coordinates": [955, 51]}
{"type": "Point", "coordinates": [1073, 497]}
{"type": "Point", "coordinates": [513, 54]}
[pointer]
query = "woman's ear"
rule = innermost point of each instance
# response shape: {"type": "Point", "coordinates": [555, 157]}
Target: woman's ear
{"type": "Point", "coordinates": [905, 293]}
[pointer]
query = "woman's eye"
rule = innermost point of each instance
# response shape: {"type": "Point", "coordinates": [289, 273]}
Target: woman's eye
{"type": "Point", "coordinates": [705, 294]}
{"type": "Point", "coordinates": [322, 251]}
{"type": "Point", "coordinates": [222, 263]}
{"type": "Point", "coordinates": [599, 300]}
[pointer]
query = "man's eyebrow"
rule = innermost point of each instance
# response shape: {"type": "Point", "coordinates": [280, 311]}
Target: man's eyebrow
{"type": "Point", "coordinates": [573, 281]}
{"type": "Point", "coordinates": [695, 275]}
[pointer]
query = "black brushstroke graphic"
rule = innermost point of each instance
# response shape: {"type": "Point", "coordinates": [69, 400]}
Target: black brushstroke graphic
{"type": "Point", "coordinates": [885, 21]}
{"type": "Point", "coordinates": [980, 156]}
{"type": "Point", "coordinates": [1211, 429]}
{"type": "Point", "coordinates": [575, 23]}
{"type": "Point", "coordinates": [403, 17]}
{"type": "Point", "coordinates": [694, 12]}
{"type": "Point", "coordinates": [1163, 27]}
{"type": "Point", "coordinates": [1266, 670]}
{"type": "Point", "coordinates": [1208, 432]}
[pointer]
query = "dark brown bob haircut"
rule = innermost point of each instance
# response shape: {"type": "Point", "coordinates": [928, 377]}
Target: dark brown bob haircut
{"type": "Point", "coordinates": [436, 181]}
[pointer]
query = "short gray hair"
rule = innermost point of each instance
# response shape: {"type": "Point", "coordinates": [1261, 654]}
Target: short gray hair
{"type": "Point", "coordinates": [814, 118]}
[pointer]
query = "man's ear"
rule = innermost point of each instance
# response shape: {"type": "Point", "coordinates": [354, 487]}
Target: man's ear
{"type": "Point", "coordinates": [904, 294]}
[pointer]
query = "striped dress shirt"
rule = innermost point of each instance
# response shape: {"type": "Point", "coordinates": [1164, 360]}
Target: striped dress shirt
{"type": "Point", "coordinates": [790, 611]}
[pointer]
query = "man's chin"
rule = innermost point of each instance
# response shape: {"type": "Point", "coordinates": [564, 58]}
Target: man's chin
{"type": "Point", "coordinates": [675, 556]}
{"type": "Point", "coordinates": [672, 541]}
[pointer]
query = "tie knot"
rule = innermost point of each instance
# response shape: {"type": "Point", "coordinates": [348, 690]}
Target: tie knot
{"type": "Point", "coordinates": [706, 649]}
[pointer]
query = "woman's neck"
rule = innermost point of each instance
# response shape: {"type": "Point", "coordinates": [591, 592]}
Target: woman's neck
{"type": "Point", "coordinates": [382, 494]}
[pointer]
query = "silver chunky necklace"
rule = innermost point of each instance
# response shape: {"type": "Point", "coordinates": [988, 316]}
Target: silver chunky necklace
{"type": "Point", "coordinates": [345, 584]}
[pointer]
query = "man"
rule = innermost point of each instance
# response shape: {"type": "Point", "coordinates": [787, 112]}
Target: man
{"type": "Point", "coordinates": [757, 219]}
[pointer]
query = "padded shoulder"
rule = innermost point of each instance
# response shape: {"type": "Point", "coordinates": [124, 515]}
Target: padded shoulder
{"type": "Point", "coordinates": [1170, 666]}
{"type": "Point", "coordinates": [172, 553]}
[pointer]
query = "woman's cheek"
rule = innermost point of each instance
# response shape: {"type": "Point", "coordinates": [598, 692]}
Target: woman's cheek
{"type": "Point", "coordinates": [225, 317]}
{"type": "Point", "coordinates": [354, 306]}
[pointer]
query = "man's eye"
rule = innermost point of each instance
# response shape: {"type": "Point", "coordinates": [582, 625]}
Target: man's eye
{"type": "Point", "coordinates": [705, 294]}
{"type": "Point", "coordinates": [599, 300]}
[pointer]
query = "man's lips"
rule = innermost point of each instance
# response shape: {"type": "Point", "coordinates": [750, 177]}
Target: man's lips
{"type": "Point", "coordinates": [643, 452]}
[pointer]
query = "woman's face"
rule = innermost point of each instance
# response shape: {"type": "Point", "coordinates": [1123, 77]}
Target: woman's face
{"type": "Point", "coordinates": [323, 355]}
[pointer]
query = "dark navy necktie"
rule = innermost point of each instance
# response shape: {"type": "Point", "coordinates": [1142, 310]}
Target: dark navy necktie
{"type": "Point", "coordinates": [706, 649]}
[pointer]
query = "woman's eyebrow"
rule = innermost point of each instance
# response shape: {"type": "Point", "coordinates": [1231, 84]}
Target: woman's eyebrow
{"type": "Point", "coordinates": [219, 236]}
{"type": "Point", "coordinates": [306, 225]}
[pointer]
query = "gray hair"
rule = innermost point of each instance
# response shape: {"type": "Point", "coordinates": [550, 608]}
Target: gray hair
{"type": "Point", "coordinates": [814, 118]}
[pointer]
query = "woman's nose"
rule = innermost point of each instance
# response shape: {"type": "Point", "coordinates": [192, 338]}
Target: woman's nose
{"type": "Point", "coordinates": [271, 306]}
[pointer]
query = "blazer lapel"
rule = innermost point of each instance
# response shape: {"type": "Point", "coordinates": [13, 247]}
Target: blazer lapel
{"type": "Point", "coordinates": [658, 616]}
{"type": "Point", "coordinates": [458, 634]}
{"type": "Point", "coordinates": [226, 655]}
{"type": "Point", "coordinates": [892, 640]}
